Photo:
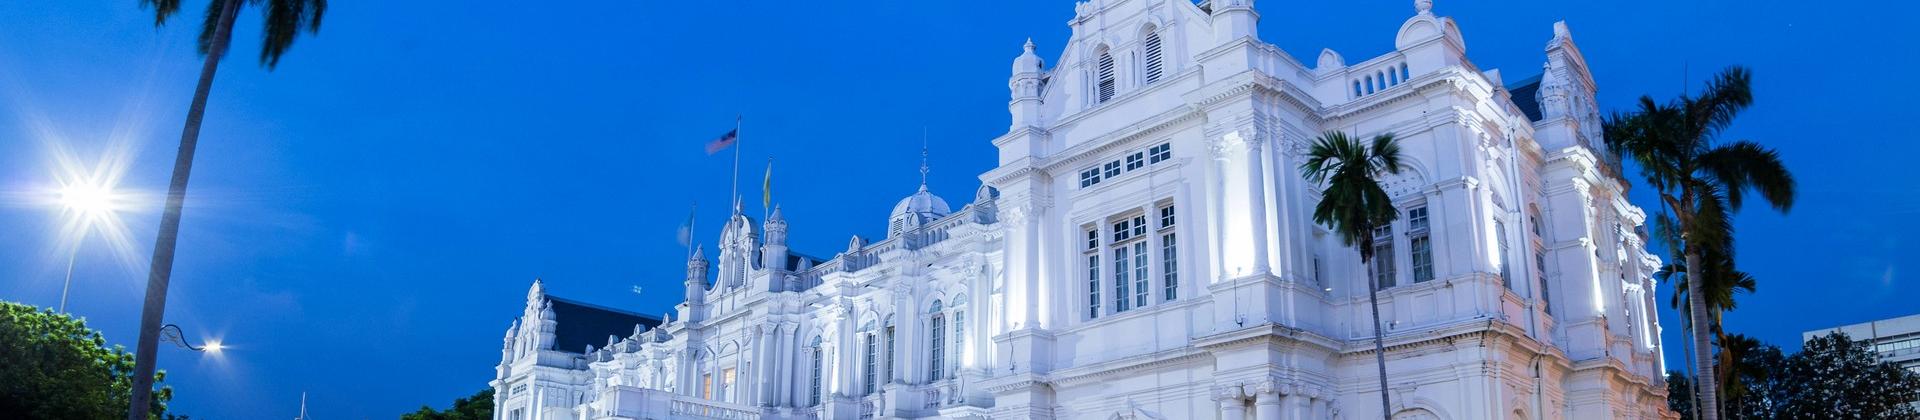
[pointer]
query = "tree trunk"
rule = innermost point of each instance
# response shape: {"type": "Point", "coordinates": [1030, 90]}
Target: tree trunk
{"type": "Point", "coordinates": [1379, 348]}
{"type": "Point", "coordinates": [1709, 405]}
{"type": "Point", "coordinates": [161, 271]}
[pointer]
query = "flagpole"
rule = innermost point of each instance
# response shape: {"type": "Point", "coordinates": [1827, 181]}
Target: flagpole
{"type": "Point", "coordinates": [738, 143]}
{"type": "Point", "coordinates": [766, 195]}
{"type": "Point", "coordinates": [690, 220]}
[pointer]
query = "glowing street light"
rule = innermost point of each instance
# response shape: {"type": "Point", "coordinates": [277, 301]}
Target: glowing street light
{"type": "Point", "coordinates": [88, 202]}
{"type": "Point", "coordinates": [171, 333]}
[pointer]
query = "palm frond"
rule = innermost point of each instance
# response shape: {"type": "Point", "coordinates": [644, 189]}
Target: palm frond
{"type": "Point", "coordinates": [162, 9]}
{"type": "Point", "coordinates": [285, 19]}
{"type": "Point", "coordinates": [1742, 165]}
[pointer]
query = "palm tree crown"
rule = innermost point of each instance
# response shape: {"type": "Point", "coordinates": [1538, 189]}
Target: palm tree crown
{"type": "Point", "coordinates": [1353, 203]}
{"type": "Point", "coordinates": [285, 20]}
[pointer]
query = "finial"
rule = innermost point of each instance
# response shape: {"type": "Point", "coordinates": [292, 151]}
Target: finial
{"type": "Point", "coordinates": [1423, 6]}
{"type": "Point", "coordinates": [923, 154]}
{"type": "Point", "coordinates": [1029, 45]}
{"type": "Point", "coordinates": [1560, 30]}
{"type": "Point", "coordinates": [699, 252]}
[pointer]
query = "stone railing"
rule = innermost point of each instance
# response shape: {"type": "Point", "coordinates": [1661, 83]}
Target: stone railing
{"type": "Point", "coordinates": [631, 403]}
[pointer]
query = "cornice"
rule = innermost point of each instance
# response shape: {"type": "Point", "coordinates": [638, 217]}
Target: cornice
{"type": "Point", "coordinates": [1126, 367]}
{"type": "Point", "coordinates": [1117, 139]}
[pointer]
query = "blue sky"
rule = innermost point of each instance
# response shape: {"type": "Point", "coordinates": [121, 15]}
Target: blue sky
{"type": "Point", "coordinates": [365, 220]}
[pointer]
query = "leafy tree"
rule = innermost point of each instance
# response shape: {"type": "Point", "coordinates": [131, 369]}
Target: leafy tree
{"type": "Point", "coordinates": [1834, 377]}
{"type": "Point", "coordinates": [476, 407]}
{"type": "Point", "coordinates": [54, 367]}
{"type": "Point", "coordinates": [1698, 177]}
{"type": "Point", "coordinates": [1679, 394]}
{"type": "Point", "coordinates": [285, 19]}
{"type": "Point", "coordinates": [1750, 377]}
{"type": "Point", "coordinates": [1353, 205]}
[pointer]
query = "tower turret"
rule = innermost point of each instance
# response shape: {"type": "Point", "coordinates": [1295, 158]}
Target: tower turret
{"type": "Point", "coordinates": [696, 282]}
{"type": "Point", "coordinates": [773, 254]}
{"type": "Point", "coordinates": [1233, 20]}
{"type": "Point", "coordinates": [1025, 87]}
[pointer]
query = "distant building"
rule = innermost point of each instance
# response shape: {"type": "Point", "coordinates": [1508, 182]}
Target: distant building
{"type": "Point", "coordinates": [1896, 339]}
{"type": "Point", "coordinates": [1145, 249]}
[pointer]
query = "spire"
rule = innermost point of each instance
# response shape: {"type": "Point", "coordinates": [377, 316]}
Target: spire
{"type": "Point", "coordinates": [923, 154]}
{"type": "Point", "coordinates": [1423, 6]}
{"type": "Point", "coordinates": [537, 291]}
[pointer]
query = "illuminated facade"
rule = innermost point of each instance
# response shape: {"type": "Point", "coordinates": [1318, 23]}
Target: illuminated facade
{"type": "Point", "coordinates": [1145, 250]}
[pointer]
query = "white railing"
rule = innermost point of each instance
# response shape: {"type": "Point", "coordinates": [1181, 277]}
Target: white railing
{"type": "Point", "coordinates": [690, 407]}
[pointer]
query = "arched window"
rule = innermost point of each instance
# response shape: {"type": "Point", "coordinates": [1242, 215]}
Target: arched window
{"type": "Point", "coordinates": [1380, 79]}
{"type": "Point", "coordinates": [937, 342]}
{"type": "Point", "coordinates": [1356, 89]}
{"type": "Point", "coordinates": [1369, 84]}
{"type": "Point", "coordinates": [1105, 86]}
{"type": "Point", "coordinates": [1393, 78]}
{"type": "Point", "coordinates": [1152, 69]}
{"type": "Point", "coordinates": [1403, 72]}
{"type": "Point", "coordinates": [816, 371]}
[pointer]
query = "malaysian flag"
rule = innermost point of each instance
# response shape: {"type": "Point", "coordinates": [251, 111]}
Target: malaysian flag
{"type": "Point", "coordinates": [725, 140]}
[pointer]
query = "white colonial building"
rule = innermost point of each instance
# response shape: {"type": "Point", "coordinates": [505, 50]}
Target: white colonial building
{"type": "Point", "coordinates": [1145, 250]}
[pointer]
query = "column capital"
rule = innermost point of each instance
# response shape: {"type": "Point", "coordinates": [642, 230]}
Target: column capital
{"type": "Point", "coordinates": [1228, 393]}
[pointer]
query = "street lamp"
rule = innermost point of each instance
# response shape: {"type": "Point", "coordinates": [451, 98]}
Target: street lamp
{"type": "Point", "coordinates": [171, 333]}
{"type": "Point", "coordinates": [88, 201]}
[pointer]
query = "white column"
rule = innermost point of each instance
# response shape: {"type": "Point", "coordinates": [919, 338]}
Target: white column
{"type": "Point", "coordinates": [763, 345]}
{"type": "Point", "coordinates": [1232, 402]}
{"type": "Point", "coordinates": [1267, 406]}
{"type": "Point", "coordinates": [1256, 198]}
{"type": "Point", "coordinates": [1295, 406]}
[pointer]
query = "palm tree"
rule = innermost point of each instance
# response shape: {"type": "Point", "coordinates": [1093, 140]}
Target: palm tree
{"type": "Point", "coordinates": [285, 19]}
{"type": "Point", "coordinates": [1353, 205]}
{"type": "Point", "coordinates": [1678, 149]}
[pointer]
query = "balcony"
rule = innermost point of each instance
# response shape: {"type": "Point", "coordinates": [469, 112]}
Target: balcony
{"type": "Point", "coordinates": [630, 403]}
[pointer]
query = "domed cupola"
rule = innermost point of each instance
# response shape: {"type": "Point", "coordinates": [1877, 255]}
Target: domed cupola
{"type": "Point", "coordinates": [915, 210]}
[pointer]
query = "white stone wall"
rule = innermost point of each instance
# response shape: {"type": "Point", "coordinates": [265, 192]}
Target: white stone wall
{"type": "Point", "coordinates": [1269, 319]}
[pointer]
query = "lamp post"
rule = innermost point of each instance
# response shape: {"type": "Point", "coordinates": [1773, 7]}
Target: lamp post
{"type": "Point", "coordinates": [87, 202]}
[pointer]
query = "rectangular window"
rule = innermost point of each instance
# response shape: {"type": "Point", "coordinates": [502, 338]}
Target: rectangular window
{"type": "Point", "coordinates": [814, 396]}
{"type": "Point", "coordinates": [871, 363]}
{"type": "Point", "coordinates": [1159, 153]}
{"type": "Point", "coordinates": [1093, 286]}
{"type": "Point", "coordinates": [1093, 239]}
{"type": "Point", "coordinates": [937, 360]}
{"type": "Point", "coordinates": [1140, 289]}
{"type": "Point", "coordinates": [1090, 177]}
{"type": "Point", "coordinates": [1136, 160]}
{"type": "Point", "coordinates": [1500, 231]}
{"type": "Point", "coordinates": [1546, 298]}
{"type": "Point", "coordinates": [1120, 273]}
{"type": "Point", "coordinates": [1383, 268]}
{"type": "Point", "coordinates": [1317, 278]}
{"type": "Point", "coordinates": [1421, 245]}
{"type": "Point", "coordinates": [1170, 265]}
{"type": "Point", "coordinates": [888, 369]}
{"type": "Point", "coordinates": [706, 386]}
{"type": "Point", "coordinates": [1122, 230]}
{"type": "Point", "coordinates": [959, 332]}
{"type": "Point", "coordinates": [1113, 169]}
{"type": "Point", "coordinates": [726, 384]}
{"type": "Point", "coordinates": [1166, 217]}
{"type": "Point", "coordinates": [1422, 258]}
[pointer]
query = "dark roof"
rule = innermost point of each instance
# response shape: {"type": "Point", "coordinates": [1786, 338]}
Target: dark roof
{"type": "Point", "coordinates": [1525, 96]}
{"type": "Point", "coordinates": [581, 324]}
